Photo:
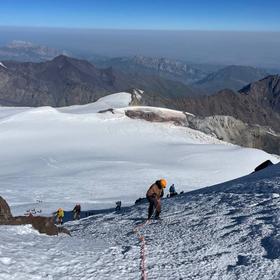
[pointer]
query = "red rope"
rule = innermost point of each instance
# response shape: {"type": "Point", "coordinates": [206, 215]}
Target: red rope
{"type": "Point", "coordinates": [143, 259]}
{"type": "Point", "coordinates": [142, 251]}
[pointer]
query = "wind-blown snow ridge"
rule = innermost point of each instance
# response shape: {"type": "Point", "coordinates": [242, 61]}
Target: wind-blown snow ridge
{"type": "Point", "coordinates": [117, 100]}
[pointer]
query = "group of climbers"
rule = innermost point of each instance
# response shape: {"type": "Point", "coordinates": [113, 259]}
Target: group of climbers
{"type": "Point", "coordinates": [153, 195]}
{"type": "Point", "coordinates": [60, 214]}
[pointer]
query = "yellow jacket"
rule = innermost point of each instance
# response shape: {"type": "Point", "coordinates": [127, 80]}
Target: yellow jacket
{"type": "Point", "coordinates": [60, 213]}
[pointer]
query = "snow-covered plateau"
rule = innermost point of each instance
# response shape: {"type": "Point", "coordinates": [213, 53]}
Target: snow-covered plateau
{"type": "Point", "coordinates": [56, 157]}
{"type": "Point", "coordinates": [62, 156]}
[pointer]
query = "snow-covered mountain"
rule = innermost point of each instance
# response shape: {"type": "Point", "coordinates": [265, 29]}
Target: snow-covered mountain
{"type": "Point", "coordinates": [77, 154]}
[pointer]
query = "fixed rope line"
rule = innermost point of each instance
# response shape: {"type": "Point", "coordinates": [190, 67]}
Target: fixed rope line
{"type": "Point", "coordinates": [142, 250]}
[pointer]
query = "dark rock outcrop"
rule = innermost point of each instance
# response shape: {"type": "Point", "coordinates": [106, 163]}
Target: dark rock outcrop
{"type": "Point", "coordinates": [42, 224]}
{"type": "Point", "coordinates": [265, 92]}
{"type": "Point", "coordinates": [263, 165]}
{"type": "Point", "coordinates": [5, 212]}
{"type": "Point", "coordinates": [235, 131]}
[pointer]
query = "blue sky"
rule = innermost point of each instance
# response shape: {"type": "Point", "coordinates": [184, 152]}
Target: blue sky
{"type": "Point", "coordinates": [249, 15]}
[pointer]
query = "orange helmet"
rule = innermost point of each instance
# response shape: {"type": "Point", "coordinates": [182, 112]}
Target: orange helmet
{"type": "Point", "coordinates": [163, 183]}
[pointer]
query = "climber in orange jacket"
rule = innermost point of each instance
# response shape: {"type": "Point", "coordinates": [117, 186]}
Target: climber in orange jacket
{"type": "Point", "coordinates": [154, 194]}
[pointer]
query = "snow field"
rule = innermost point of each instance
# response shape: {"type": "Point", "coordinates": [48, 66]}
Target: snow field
{"type": "Point", "coordinates": [59, 157]}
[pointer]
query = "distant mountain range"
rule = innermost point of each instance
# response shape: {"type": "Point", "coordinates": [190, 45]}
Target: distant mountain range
{"type": "Point", "coordinates": [66, 81]}
{"type": "Point", "coordinates": [202, 78]}
{"type": "Point", "coordinates": [231, 77]}
{"type": "Point", "coordinates": [167, 68]}
{"type": "Point", "coordinates": [27, 51]}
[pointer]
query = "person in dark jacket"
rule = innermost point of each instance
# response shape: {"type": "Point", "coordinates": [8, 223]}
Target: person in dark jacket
{"type": "Point", "coordinates": [118, 205]}
{"type": "Point", "coordinates": [172, 191]}
{"type": "Point", "coordinates": [77, 212]}
{"type": "Point", "coordinates": [154, 194]}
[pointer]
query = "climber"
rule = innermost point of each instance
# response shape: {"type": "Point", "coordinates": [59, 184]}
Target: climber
{"type": "Point", "coordinates": [172, 191]}
{"type": "Point", "coordinates": [118, 205]}
{"type": "Point", "coordinates": [154, 194]}
{"type": "Point", "coordinates": [59, 216]}
{"type": "Point", "coordinates": [77, 212]}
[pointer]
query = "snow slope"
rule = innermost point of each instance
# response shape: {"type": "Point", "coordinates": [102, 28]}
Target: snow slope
{"type": "Point", "coordinates": [54, 158]}
{"type": "Point", "coordinates": [229, 232]}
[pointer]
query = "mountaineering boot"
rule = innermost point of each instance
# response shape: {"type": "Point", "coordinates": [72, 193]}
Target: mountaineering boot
{"type": "Point", "coordinates": [152, 204]}
{"type": "Point", "coordinates": [157, 215]}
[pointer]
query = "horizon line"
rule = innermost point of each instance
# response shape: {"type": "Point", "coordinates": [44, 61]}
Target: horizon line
{"type": "Point", "coordinates": [141, 29]}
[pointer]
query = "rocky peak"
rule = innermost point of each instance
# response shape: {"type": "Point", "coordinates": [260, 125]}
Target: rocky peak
{"type": "Point", "coordinates": [265, 91]}
{"type": "Point", "coordinates": [62, 59]}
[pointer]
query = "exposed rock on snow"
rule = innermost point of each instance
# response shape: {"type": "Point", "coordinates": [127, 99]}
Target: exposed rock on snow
{"type": "Point", "coordinates": [234, 131]}
{"type": "Point", "coordinates": [225, 128]}
{"type": "Point", "coordinates": [5, 212]}
{"type": "Point", "coordinates": [136, 97]}
{"type": "Point", "coordinates": [156, 115]}
{"type": "Point", "coordinates": [42, 224]}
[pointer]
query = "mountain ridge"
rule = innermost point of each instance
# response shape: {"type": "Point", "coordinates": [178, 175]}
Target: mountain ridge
{"type": "Point", "coordinates": [67, 81]}
{"type": "Point", "coordinates": [232, 77]}
{"type": "Point", "coordinates": [257, 103]}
